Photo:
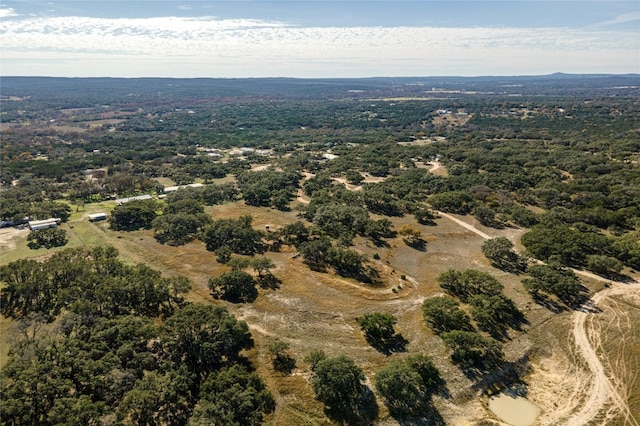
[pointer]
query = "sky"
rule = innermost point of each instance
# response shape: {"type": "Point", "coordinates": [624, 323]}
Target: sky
{"type": "Point", "coordinates": [317, 39]}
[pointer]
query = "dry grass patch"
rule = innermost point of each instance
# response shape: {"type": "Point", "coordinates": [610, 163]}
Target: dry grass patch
{"type": "Point", "coordinates": [619, 325]}
{"type": "Point", "coordinates": [164, 181]}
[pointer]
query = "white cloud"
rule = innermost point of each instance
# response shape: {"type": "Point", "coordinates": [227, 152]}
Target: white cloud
{"type": "Point", "coordinates": [621, 19]}
{"type": "Point", "coordinates": [210, 47]}
{"type": "Point", "coordinates": [7, 12]}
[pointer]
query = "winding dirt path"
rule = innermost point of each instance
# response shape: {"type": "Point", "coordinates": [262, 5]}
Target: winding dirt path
{"type": "Point", "coordinates": [602, 390]}
{"type": "Point", "coordinates": [300, 195]}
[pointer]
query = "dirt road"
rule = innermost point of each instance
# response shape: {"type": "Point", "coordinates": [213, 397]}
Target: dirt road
{"type": "Point", "coordinates": [602, 390]}
{"type": "Point", "coordinates": [464, 224]}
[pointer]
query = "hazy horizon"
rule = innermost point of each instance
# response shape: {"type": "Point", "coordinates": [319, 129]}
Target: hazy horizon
{"type": "Point", "coordinates": [318, 39]}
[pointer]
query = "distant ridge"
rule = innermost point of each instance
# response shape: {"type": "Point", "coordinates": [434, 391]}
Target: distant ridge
{"type": "Point", "coordinates": [153, 89]}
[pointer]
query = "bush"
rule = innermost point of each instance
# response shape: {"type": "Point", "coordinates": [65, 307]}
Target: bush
{"type": "Point", "coordinates": [281, 360]}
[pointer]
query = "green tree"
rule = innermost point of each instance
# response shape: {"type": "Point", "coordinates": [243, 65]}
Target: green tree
{"type": "Point", "coordinates": [412, 237]}
{"type": "Point", "coordinates": [460, 202]}
{"type": "Point", "coordinates": [406, 385]}
{"type": "Point", "coordinates": [557, 280]}
{"type": "Point", "coordinates": [339, 383]}
{"type": "Point", "coordinates": [133, 215]}
{"type": "Point", "coordinates": [376, 230]}
{"type": "Point", "coordinates": [443, 314]}
{"type": "Point", "coordinates": [314, 358]}
{"type": "Point", "coordinates": [425, 216]}
{"type": "Point", "coordinates": [315, 252]}
{"type": "Point", "coordinates": [295, 234]}
{"type": "Point", "coordinates": [223, 254]}
{"type": "Point", "coordinates": [187, 206]}
{"type": "Point", "coordinates": [424, 366]}
{"type": "Point", "coordinates": [339, 221]}
{"type": "Point", "coordinates": [48, 209]}
{"type": "Point", "coordinates": [237, 234]}
{"type": "Point", "coordinates": [485, 215]}
{"type": "Point", "coordinates": [177, 229]}
{"type": "Point", "coordinates": [500, 252]}
{"type": "Point", "coordinates": [281, 359]}
{"type": "Point", "coordinates": [468, 283]}
{"type": "Point", "coordinates": [158, 399]}
{"type": "Point", "coordinates": [551, 239]}
{"type": "Point", "coordinates": [627, 249]}
{"type": "Point", "coordinates": [262, 265]}
{"type": "Point", "coordinates": [78, 411]}
{"type": "Point", "coordinates": [218, 194]}
{"type": "Point", "coordinates": [48, 238]}
{"type": "Point", "coordinates": [354, 177]}
{"type": "Point", "coordinates": [345, 261]}
{"type": "Point", "coordinates": [523, 216]}
{"type": "Point", "coordinates": [232, 396]}
{"type": "Point", "coordinates": [238, 263]}
{"type": "Point", "coordinates": [235, 286]}
{"type": "Point", "coordinates": [470, 349]}
{"type": "Point", "coordinates": [494, 314]}
{"type": "Point", "coordinates": [379, 332]}
{"type": "Point", "coordinates": [401, 387]}
{"type": "Point", "coordinates": [204, 337]}
{"type": "Point", "coordinates": [604, 265]}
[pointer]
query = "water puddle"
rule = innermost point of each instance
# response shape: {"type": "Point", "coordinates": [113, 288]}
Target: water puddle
{"type": "Point", "coordinates": [513, 409]}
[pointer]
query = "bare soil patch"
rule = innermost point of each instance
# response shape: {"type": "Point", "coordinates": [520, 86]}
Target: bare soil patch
{"type": "Point", "coordinates": [8, 237]}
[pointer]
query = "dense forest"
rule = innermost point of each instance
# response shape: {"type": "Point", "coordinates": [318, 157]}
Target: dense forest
{"type": "Point", "coordinates": [363, 165]}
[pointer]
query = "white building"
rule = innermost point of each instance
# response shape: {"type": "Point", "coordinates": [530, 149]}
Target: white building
{"type": "Point", "coordinates": [121, 201]}
{"type": "Point", "coordinates": [97, 216]}
{"type": "Point", "coordinates": [52, 222]}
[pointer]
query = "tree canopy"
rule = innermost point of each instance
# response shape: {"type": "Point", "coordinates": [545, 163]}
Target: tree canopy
{"type": "Point", "coordinates": [236, 234]}
{"type": "Point", "coordinates": [407, 384]}
{"type": "Point", "coordinates": [339, 383]}
{"type": "Point", "coordinates": [102, 339]}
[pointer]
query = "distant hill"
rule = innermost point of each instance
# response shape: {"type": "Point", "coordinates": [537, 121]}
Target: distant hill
{"type": "Point", "coordinates": [117, 90]}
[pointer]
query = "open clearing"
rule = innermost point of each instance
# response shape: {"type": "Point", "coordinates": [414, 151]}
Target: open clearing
{"type": "Point", "coordinates": [315, 310]}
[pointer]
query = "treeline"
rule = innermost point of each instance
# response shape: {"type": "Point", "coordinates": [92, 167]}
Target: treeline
{"type": "Point", "coordinates": [100, 342]}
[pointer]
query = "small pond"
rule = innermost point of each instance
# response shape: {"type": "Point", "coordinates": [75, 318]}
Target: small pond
{"type": "Point", "coordinates": [515, 410]}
